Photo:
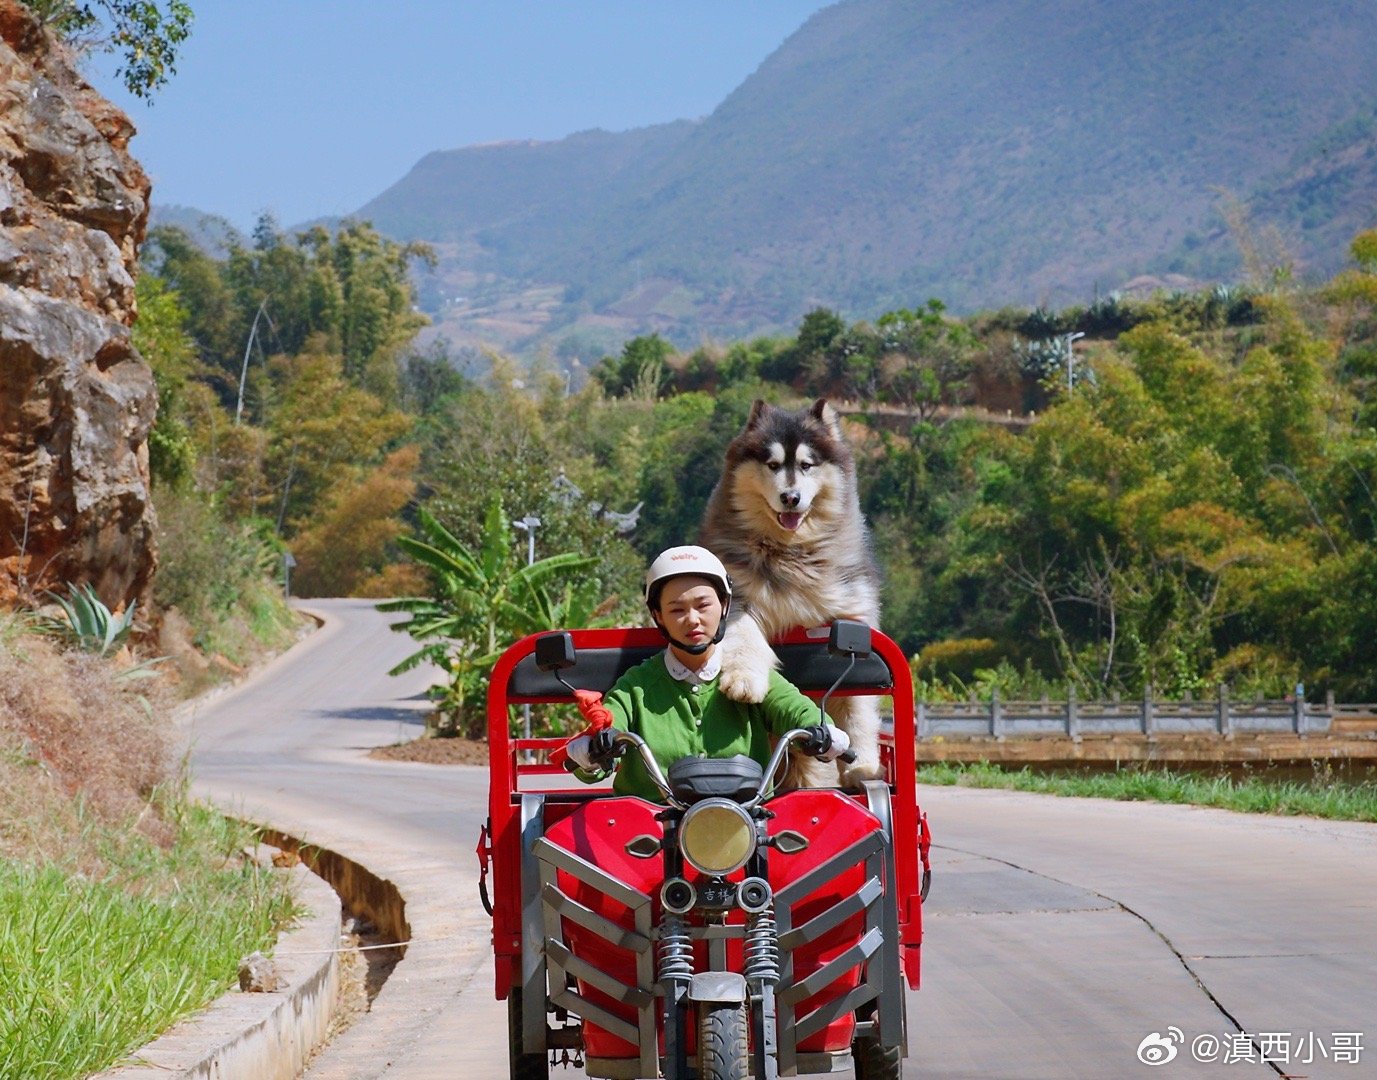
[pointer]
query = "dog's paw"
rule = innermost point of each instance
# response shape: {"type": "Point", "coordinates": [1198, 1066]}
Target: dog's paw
{"type": "Point", "coordinates": [744, 683]}
{"type": "Point", "coordinates": [747, 661]}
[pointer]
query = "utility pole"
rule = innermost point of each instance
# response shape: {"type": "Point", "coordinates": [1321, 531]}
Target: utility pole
{"type": "Point", "coordinates": [262, 313]}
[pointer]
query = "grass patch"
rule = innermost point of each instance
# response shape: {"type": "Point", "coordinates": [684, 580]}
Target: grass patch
{"type": "Point", "coordinates": [122, 907]}
{"type": "Point", "coordinates": [97, 966]}
{"type": "Point", "coordinates": [1323, 796]}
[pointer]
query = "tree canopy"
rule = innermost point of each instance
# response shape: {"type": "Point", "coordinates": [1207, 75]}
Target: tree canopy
{"type": "Point", "coordinates": [147, 34]}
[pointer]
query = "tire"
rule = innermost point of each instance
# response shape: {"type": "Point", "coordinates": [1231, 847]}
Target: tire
{"type": "Point", "coordinates": [522, 1066]}
{"type": "Point", "coordinates": [722, 1053]}
{"type": "Point", "coordinates": [876, 1062]}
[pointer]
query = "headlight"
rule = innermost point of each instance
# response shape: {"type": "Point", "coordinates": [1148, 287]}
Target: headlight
{"type": "Point", "coordinates": [717, 836]}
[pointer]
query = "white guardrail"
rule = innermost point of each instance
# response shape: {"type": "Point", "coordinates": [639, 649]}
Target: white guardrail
{"type": "Point", "coordinates": [1217, 716]}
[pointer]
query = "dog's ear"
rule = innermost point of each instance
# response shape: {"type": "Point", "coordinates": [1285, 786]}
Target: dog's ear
{"type": "Point", "coordinates": [828, 415]}
{"type": "Point", "coordinates": [757, 413]}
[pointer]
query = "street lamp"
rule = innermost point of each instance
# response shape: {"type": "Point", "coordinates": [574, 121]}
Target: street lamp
{"type": "Point", "coordinates": [529, 524]}
{"type": "Point", "coordinates": [1071, 358]}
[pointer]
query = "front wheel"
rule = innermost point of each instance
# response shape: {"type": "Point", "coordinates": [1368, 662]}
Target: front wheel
{"type": "Point", "coordinates": [722, 1052]}
{"type": "Point", "coordinates": [522, 1066]}
{"type": "Point", "coordinates": [876, 1062]}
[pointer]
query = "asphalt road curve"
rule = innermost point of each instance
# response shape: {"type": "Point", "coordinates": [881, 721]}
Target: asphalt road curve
{"type": "Point", "coordinates": [1064, 937]}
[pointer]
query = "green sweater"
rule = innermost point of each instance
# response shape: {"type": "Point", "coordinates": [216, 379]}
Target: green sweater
{"type": "Point", "coordinates": [679, 720]}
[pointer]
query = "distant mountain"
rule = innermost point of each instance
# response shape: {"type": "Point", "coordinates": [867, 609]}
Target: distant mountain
{"type": "Point", "coordinates": [1307, 212]}
{"type": "Point", "coordinates": [450, 195]}
{"type": "Point", "coordinates": [1013, 151]}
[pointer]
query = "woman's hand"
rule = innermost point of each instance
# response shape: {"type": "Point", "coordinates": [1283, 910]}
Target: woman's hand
{"type": "Point", "coordinates": [827, 743]}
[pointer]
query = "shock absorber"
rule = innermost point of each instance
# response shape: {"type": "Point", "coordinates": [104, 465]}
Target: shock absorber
{"type": "Point", "coordinates": [762, 949]}
{"type": "Point", "coordinates": [762, 933]}
{"type": "Point", "coordinates": [676, 952]}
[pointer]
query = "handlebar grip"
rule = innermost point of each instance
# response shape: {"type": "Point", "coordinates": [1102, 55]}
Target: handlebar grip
{"type": "Point", "coordinates": [847, 756]}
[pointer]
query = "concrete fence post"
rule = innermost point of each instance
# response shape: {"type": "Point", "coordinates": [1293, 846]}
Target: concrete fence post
{"type": "Point", "coordinates": [1073, 713]}
{"type": "Point", "coordinates": [1298, 709]}
{"type": "Point", "coordinates": [1226, 723]}
{"type": "Point", "coordinates": [1149, 718]}
{"type": "Point", "coordinates": [921, 718]}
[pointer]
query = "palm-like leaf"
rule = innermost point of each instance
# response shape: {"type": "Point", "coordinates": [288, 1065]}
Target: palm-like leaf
{"type": "Point", "coordinates": [482, 601]}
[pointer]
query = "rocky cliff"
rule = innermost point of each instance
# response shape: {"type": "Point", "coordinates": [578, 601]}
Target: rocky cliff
{"type": "Point", "coordinates": [76, 400]}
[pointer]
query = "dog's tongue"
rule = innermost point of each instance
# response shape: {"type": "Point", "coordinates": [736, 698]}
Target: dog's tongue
{"type": "Point", "coordinates": [790, 521]}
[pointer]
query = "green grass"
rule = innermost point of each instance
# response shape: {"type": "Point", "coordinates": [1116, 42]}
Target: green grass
{"type": "Point", "coordinates": [97, 965]}
{"type": "Point", "coordinates": [1321, 797]}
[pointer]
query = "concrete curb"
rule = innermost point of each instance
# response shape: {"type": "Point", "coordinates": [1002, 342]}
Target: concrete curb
{"type": "Point", "coordinates": [259, 1036]}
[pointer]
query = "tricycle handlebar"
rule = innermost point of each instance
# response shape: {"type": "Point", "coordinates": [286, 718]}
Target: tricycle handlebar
{"type": "Point", "coordinates": [627, 738]}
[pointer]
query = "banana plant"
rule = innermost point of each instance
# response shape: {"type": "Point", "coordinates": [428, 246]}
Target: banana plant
{"type": "Point", "coordinates": [482, 601]}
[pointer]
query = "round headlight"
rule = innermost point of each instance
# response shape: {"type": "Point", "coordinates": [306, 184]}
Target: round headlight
{"type": "Point", "coordinates": [717, 836]}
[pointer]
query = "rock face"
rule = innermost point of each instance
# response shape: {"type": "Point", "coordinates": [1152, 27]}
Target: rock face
{"type": "Point", "coordinates": [76, 400]}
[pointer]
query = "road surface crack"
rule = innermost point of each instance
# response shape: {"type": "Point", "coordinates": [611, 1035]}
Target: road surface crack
{"type": "Point", "coordinates": [1181, 957]}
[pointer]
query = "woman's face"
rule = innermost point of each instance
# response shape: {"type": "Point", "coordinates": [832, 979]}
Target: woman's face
{"type": "Point", "coordinates": [690, 610]}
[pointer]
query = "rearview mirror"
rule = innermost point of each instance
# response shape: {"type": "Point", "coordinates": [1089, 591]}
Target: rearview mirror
{"type": "Point", "coordinates": [849, 638]}
{"type": "Point", "coordinates": [554, 652]}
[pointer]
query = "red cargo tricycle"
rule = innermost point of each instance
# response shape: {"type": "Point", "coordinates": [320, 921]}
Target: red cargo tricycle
{"type": "Point", "coordinates": [734, 930]}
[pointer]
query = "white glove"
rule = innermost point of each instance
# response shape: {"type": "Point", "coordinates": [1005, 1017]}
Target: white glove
{"type": "Point", "coordinates": [580, 751]}
{"type": "Point", "coordinates": [841, 742]}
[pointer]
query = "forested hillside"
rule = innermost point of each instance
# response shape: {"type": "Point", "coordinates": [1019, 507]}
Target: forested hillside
{"type": "Point", "coordinates": [1008, 152]}
{"type": "Point", "coordinates": [1189, 502]}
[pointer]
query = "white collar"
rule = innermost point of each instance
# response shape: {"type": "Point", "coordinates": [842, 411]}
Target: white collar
{"type": "Point", "coordinates": [705, 674]}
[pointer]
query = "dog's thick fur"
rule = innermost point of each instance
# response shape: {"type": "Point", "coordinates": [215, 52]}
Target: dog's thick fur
{"type": "Point", "coordinates": [785, 519]}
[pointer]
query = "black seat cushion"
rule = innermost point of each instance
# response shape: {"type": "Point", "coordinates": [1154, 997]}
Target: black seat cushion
{"type": "Point", "coordinates": [809, 667]}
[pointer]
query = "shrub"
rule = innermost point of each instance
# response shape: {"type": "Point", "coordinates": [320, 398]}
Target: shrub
{"type": "Point", "coordinates": [960, 657]}
{"type": "Point", "coordinates": [220, 576]}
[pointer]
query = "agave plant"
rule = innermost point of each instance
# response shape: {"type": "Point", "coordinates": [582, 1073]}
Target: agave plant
{"type": "Point", "coordinates": [88, 624]}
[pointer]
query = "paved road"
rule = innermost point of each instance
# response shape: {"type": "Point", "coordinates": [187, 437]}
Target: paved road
{"type": "Point", "coordinates": [1060, 932]}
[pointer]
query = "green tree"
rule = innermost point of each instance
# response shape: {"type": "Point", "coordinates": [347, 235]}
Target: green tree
{"type": "Point", "coordinates": [212, 317]}
{"type": "Point", "coordinates": [350, 289]}
{"type": "Point", "coordinates": [321, 431]}
{"type": "Point", "coordinates": [641, 369]}
{"type": "Point", "coordinates": [348, 547]}
{"type": "Point", "coordinates": [551, 459]}
{"type": "Point", "coordinates": [162, 340]}
{"type": "Point", "coordinates": [146, 33]}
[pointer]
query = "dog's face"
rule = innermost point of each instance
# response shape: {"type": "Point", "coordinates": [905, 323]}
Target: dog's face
{"type": "Point", "coordinates": [789, 471]}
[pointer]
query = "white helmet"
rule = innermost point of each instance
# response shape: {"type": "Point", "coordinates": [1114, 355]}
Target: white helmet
{"type": "Point", "coordinates": [683, 562]}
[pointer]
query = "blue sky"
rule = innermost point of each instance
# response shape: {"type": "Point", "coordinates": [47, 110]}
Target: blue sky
{"type": "Point", "coordinates": [311, 107]}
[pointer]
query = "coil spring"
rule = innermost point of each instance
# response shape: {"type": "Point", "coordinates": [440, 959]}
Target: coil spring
{"type": "Point", "coordinates": [676, 950]}
{"type": "Point", "coordinates": [762, 948]}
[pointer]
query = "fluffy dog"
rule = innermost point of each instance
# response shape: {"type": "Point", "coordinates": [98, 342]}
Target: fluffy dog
{"type": "Point", "coordinates": [786, 520]}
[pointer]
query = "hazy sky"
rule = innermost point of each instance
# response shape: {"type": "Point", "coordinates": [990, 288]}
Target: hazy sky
{"type": "Point", "coordinates": [311, 107]}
